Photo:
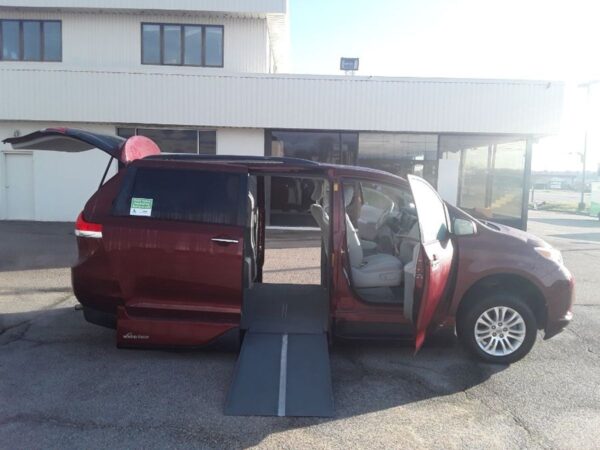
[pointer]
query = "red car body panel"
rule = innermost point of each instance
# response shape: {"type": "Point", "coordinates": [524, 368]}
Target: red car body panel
{"type": "Point", "coordinates": [167, 282]}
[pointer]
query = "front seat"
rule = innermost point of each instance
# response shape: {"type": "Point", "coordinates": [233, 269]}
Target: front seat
{"type": "Point", "coordinates": [379, 270]}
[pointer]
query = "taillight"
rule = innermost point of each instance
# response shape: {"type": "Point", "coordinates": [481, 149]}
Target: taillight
{"type": "Point", "coordinates": [87, 229]}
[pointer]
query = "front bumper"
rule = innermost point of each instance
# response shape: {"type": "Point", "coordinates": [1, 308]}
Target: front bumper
{"type": "Point", "coordinates": [557, 326]}
{"type": "Point", "coordinates": [559, 304]}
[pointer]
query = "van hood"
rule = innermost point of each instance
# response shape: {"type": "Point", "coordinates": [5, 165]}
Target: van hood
{"type": "Point", "coordinates": [526, 237]}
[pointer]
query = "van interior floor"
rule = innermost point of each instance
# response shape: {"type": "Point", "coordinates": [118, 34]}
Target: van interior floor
{"type": "Point", "coordinates": [390, 295]}
{"type": "Point", "coordinates": [283, 367]}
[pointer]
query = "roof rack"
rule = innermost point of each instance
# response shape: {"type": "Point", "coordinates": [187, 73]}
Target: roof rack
{"type": "Point", "coordinates": [235, 159]}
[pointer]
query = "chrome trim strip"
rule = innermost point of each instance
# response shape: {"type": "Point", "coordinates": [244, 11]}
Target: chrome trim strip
{"type": "Point", "coordinates": [227, 241]}
{"type": "Point", "coordinates": [88, 234]}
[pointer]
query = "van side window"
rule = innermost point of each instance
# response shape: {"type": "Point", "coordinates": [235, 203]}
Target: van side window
{"type": "Point", "coordinates": [432, 214]}
{"type": "Point", "coordinates": [179, 194]}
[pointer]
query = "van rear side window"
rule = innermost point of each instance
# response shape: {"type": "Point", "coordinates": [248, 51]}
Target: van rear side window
{"type": "Point", "coordinates": [188, 195]}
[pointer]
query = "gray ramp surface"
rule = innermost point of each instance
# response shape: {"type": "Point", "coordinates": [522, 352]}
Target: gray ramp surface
{"type": "Point", "coordinates": [254, 390]}
{"type": "Point", "coordinates": [285, 308]}
{"type": "Point", "coordinates": [283, 368]}
{"type": "Point", "coordinates": [280, 374]}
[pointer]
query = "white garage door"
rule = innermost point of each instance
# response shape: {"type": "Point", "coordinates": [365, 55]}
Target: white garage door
{"type": "Point", "coordinates": [19, 186]}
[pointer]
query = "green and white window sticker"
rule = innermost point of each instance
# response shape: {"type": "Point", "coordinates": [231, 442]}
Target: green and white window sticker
{"type": "Point", "coordinates": [141, 207]}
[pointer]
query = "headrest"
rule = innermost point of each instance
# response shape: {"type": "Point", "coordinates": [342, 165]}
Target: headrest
{"type": "Point", "coordinates": [348, 194]}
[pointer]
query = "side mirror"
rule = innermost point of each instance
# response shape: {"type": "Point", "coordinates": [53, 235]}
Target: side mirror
{"type": "Point", "coordinates": [463, 227]}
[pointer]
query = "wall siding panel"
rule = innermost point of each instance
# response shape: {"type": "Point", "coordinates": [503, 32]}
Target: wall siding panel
{"type": "Point", "coordinates": [282, 101]}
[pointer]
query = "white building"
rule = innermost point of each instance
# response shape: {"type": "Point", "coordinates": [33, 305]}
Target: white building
{"type": "Point", "coordinates": [209, 76]}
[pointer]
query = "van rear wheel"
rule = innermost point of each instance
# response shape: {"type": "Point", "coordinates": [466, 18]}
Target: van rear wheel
{"type": "Point", "coordinates": [500, 328]}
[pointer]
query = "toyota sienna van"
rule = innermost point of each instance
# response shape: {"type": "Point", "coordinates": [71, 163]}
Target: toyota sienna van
{"type": "Point", "coordinates": [172, 248]}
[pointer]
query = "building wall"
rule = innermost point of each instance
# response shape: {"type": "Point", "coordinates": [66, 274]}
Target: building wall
{"type": "Point", "coordinates": [283, 101]}
{"type": "Point", "coordinates": [112, 41]}
{"type": "Point", "coordinates": [241, 141]}
{"type": "Point", "coordinates": [226, 6]}
{"type": "Point", "coordinates": [61, 182]}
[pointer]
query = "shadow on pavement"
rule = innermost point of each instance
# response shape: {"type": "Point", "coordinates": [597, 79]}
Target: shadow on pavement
{"type": "Point", "coordinates": [36, 245]}
{"type": "Point", "coordinates": [62, 373]}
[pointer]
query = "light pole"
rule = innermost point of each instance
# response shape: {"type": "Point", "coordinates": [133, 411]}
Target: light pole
{"type": "Point", "coordinates": [588, 86]}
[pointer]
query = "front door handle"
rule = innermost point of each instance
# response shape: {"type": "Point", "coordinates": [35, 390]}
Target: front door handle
{"type": "Point", "coordinates": [220, 240]}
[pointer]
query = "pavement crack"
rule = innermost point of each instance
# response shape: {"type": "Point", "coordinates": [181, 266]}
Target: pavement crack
{"type": "Point", "coordinates": [532, 435]}
{"type": "Point", "coordinates": [24, 326]}
{"type": "Point", "coordinates": [583, 340]}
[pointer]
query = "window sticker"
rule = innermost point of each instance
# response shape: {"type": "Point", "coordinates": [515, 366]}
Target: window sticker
{"type": "Point", "coordinates": [141, 207]}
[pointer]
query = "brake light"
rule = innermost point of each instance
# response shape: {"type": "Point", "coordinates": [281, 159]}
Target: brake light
{"type": "Point", "coordinates": [87, 229]}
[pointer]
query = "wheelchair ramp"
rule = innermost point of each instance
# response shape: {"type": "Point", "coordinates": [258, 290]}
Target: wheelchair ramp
{"type": "Point", "coordinates": [280, 374]}
{"type": "Point", "coordinates": [283, 367]}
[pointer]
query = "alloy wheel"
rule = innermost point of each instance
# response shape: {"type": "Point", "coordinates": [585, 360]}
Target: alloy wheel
{"type": "Point", "coordinates": [500, 331]}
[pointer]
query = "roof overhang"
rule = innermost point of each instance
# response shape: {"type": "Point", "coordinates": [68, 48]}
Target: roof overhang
{"type": "Point", "coordinates": [417, 105]}
{"type": "Point", "coordinates": [242, 7]}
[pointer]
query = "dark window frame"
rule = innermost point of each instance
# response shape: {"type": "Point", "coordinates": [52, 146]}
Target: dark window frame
{"type": "Point", "coordinates": [197, 130]}
{"type": "Point", "coordinates": [122, 203]}
{"type": "Point", "coordinates": [21, 57]}
{"type": "Point", "coordinates": [182, 26]}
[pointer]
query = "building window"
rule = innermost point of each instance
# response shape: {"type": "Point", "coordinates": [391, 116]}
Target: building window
{"type": "Point", "coordinates": [203, 142]}
{"type": "Point", "coordinates": [400, 153]}
{"type": "Point", "coordinates": [289, 199]}
{"type": "Point", "coordinates": [490, 171]}
{"type": "Point", "coordinates": [182, 45]}
{"type": "Point", "coordinates": [30, 40]}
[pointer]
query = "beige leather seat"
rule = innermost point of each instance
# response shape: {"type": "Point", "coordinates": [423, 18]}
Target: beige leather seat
{"type": "Point", "coordinates": [379, 270]}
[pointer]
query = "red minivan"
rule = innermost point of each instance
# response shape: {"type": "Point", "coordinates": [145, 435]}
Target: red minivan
{"type": "Point", "coordinates": [171, 253]}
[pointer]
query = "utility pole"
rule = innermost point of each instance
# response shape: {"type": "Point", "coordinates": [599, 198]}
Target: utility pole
{"type": "Point", "coordinates": [588, 86]}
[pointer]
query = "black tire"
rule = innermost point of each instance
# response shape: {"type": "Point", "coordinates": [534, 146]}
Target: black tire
{"type": "Point", "coordinates": [467, 320]}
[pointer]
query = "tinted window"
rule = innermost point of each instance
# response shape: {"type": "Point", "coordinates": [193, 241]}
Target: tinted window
{"type": "Point", "coordinates": [10, 40]}
{"type": "Point", "coordinates": [190, 195]}
{"type": "Point", "coordinates": [172, 44]}
{"type": "Point", "coordinates": [32, 38]}
{"type": "Point", "coordinates": [176, 44]}
{"type": "Point", "coordinates": [193, 46]}
{"type": "Point", "coordinates": [207, 142]}
{"type": "Point", "coordinates": [400, 153]}
{"type": "Point", "coordinates": [431, 211]}
{"type": "Point", "coordinates": [52, 41]}
{"type": "Point", "coordinates": [150, 44]}
{"type": "Point", "coordinates": [172, 141]}
{"type": "Point", "coordinates": [214, 46]}
{"type": "Point", "coordinates": [177, 141]}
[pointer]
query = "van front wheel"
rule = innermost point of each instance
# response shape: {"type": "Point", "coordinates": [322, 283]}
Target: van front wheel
{"type": "Point", "coordinates": [500, 328]}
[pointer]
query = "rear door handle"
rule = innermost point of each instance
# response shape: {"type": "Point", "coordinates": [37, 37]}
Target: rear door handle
{"type": "Point", "coordinates": [220, 240]}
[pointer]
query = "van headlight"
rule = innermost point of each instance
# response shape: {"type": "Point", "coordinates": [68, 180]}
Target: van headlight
{"type": "Point", "coordinates": [550, 253]}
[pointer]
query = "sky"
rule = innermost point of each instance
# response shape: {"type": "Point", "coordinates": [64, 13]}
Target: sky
{"type": "Point", "coordinates": [526, 39]}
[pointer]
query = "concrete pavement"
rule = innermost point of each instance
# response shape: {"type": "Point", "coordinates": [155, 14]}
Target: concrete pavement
{"type": "Point", "coordinates": [64, 384]}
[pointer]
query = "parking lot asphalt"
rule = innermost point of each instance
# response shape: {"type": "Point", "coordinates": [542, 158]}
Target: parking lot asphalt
{"type": "Point", "coordinates": [64, 384]}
